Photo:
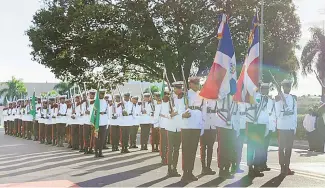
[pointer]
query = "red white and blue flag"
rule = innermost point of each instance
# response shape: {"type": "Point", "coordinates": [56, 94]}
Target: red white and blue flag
{"type": "Point", "coordinates": [222, 77]}
{"type": "Point", "coordinates": [247, 83]}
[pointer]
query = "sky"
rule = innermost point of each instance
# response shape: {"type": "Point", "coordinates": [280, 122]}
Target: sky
{"type": "Point", "coordinates": [15, 58]}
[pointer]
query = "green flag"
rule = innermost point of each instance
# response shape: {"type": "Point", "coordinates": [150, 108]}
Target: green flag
{"type": "Point", "coordinates": [95, 114]}
{"type": "Point", "coordinates": [162, 90]}
{"type": "Point", "coordinates": [33, 110]}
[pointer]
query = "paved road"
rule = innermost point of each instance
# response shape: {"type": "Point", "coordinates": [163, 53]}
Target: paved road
{"type": "Point", "coordinates": [27, 163]}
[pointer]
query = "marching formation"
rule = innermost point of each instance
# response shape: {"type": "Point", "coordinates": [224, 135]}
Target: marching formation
{"type": "Point", "coordinates": [175, 118]}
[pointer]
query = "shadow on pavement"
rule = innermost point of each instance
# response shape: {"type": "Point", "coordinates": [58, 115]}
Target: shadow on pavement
{"type": "Point", "coordinates": [114, 166]}
{"type": "Point", "coordinates": [308, 153]}
{"type": "Point", "coordinates": [178, 184]}
{"type": "Point", "coordinates": [118, 177]}
{"type": "Point", "coordinates": [149, 184]}
{"type": "Point", "coordinates": [213, 183]}
{"type": "Point", "coordinates": [274, 182]}
{"type": "Point", "coordinates": [59, 164]}
{"type": "Point", "coordinates": [243, 182]}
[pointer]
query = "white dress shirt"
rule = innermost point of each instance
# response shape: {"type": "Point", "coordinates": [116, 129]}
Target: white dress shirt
{"type": "Point", "coordinates": [286, 122]}
{"type": "Point", "coordinates": [211, 114]}
{"type": "Point", "coordinates": [224, 109]}
{"type": "Point", "coordinates": [103, 118]}
{"type": "Point", "coordinates": [196, 120]}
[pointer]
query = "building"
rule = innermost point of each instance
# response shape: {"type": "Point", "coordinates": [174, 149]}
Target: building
{"type": "Point", "coordinates": [38, 87]}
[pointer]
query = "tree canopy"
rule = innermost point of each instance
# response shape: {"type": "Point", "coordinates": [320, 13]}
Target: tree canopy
{"type": "Point", "coordinates": [313, 55]}
{"type": "Point", "coordinates": [112, 41]}
{"type": "Point", "coordinates": [14, 89]}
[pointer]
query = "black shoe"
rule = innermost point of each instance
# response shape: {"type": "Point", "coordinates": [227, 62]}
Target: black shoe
{"type": "Point", "coordinates": [251, 173]}
{"type": "Point", "coordinates": [185, 177]}
{"type": "Point", "coordinates": [100, 155]}
{"type": "Point", "coordinates": [209, 171]}
{"type": "Point", "coordinates": [192, 177]}
{"type": "Point", "coordinates": [69, 146]}
{"type": "Point", "coordinates": [290, 172]}
{"type": "Point", "coordinates": [266, 168]}
{"type": "Point", "coordinates": [126, 151]}
{"type": "Point", "coordinates": [96, 154]}
{"type": "Point", "coordinates": [258, 173]}
{"type": "Point", "coordinates": [81, 150]}
{"type": "Point", "coordinates": [91, 151]}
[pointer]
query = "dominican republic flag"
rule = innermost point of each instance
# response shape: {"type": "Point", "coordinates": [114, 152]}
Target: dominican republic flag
{"type": "Point", "coordinates": [222, 77]}
{"type": "Point", "coordinates": [247, 83]}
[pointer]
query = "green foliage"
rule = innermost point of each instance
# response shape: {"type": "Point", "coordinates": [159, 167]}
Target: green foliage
{"type": "Point", "coordinates": [15, 88]}
{"type": "Point", "coordinates": [153, 89]}
{"type": "Point", "coordinates": [115, 40]}
{"type": "Point", "coordinates": [63, 87]}
{"type": "Point", "coordinates": [313, 54]}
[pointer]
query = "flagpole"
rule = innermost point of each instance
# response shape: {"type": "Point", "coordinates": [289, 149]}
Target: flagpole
{"type": "Point", "coordinates": [261, 41]}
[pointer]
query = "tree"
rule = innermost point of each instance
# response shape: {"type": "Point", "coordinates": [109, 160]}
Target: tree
{"type": "Point", "coordinates": [313, 55]}
{"type": "Point", "coordinates": [115, 40]}
{"type": "Point", "coordinates": [152, 88]}
{"type": "Point", "coordinates": [63, 87]}
{"type": "Point", "coordinates": [14, 89]}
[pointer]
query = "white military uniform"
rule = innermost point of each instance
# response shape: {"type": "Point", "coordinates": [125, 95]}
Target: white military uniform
{"type": "Point", "coordinates": [211, 115]}
{"type": "Point", "coordinates": [62, 109]}
{"type": "Point", "coordinates": [198, 106]}
{"type": "Point", "coordinates": [286, 122]}
{"type": "Point", "coordinates": [130, 119]}
{"type": "Point", "coordinates": [103, 118]}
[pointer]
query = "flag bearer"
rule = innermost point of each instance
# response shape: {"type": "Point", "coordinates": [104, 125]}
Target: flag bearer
{"type": "Point", "coordinates": [29, 120]}
{"type": "Point", "coordinates": [257, 128]}
{"type": "Point", "coordinates": [36, 122]}
{"type": "Point", "coordinates": [146, 120]}
{"type": "Point", "coordinates": [286, 110]}
{"type": "Point", "coordinates": [15, 120]}
{"type": "Point", "coordinates": [241, 134]}
{"type": "Point", "coordinates": [41, 121]}
{"type": "Point", "coordinates": [226, 136]}
{"type": "Point", "coordinates": [103, 122]}
{"type": "Point", "coordinates": [192, 127]}
{"type": "Point", "coordinates": [87, 128]}
{"type": "Point", "coordinates": [208, 138]}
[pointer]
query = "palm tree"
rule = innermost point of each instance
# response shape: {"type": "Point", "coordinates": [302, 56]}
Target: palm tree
{"type": "Point", "coordinates": [14, 88]}
{"type": "Point", "coordinates": [63, 87]}
{"type": "Point", "coordinates": [313, 55]}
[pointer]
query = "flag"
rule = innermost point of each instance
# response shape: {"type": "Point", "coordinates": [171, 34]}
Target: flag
{"type": "Point", "coordinates": [249, 77]}
{"type": "Point", "coordinates": [95, 114]}
{"type": "Point", "coordinates": [33, 110]}
{"type": "Point", "coordinates": [222, 77]}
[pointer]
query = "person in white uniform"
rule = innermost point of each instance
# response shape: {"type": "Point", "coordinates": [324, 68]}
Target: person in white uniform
{"type": "Point", "coordinates": [286, 110]}
{"type": "Point", "coordinates": [115, 124]}
{"type": "Point", "coordinates": [126, 122]}
{"type": "Point", "coordinates": [155, 135]}
{"type": "Point", "coordinates": [88, 105]}
{"type": "Point", "coordinates": [136, 114]}
{"type": "Point", "coordinates": [61, 120]}
{"type": "Point", "coordinates": [75, 123]}
{"type": "Point", "coordinates": [37, 117]}
{"type": "Point", "coordinates": [226, 136]}
{"type": "Point", "coordinates": [146, 120]}
{"type": "Point", "coordinates": [42, 120]}
{"type": "Point", "coordinates": [191, 121]}
{"type": "Point", "coordinates": [108, 99]}
{"type": "Point", "coordinates": [29, 120]}
{"type": "Point", "coordinates": [103, 122]}
{"type": "Point", "coordinates": [208, 138]}
{"type": "Point", "coordinates": [240, 135]}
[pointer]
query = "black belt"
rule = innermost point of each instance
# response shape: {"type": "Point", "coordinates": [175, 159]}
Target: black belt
{"type": "Point", "coordinates": [194, 108]}
{"type": "Point", "coordinates": [211, 111]}
{"type": "Point", "coordinates": [102, 113]}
